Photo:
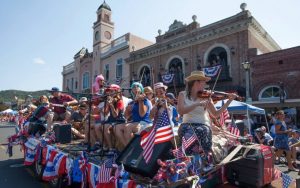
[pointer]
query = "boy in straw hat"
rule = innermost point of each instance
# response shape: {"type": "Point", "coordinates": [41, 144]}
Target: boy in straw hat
{"type": "Point", "coordinates": [196, 111]}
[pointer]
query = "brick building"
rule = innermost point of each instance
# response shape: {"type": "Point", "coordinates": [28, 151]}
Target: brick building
{"type": "Point", "coordinates": [187, 47]}
{"type": "Point", "coordinates": [276, 76]}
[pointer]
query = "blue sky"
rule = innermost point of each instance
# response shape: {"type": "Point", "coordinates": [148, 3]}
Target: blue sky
{"type": "Point", "coordinates": [38, 37]}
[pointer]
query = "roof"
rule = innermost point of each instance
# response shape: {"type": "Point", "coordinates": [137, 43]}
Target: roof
{"type": "Point", "coordinates": [81, 52]}
{"type": "Point", "coordinates": [105, 6]}
{"type": "Point", "coordinates": [237, 107]}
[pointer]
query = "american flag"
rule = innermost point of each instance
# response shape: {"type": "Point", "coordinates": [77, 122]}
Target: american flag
{"type": "Point", "coordinates": [161, 132]}
{"type": "Point", "coordinates": [234, 130]}
{"type": "Point", "coordinates": [105, 171]}
{"type": "Point", "coordinates": [224, 115]}
{"type": "Point", "coordinates": [187, 143]}
{"type": "Point", "coordinates": [178, 153]}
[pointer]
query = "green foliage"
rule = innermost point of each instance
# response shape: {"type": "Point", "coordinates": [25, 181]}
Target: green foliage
{"type": "Point", "coordinates": [9, 95]}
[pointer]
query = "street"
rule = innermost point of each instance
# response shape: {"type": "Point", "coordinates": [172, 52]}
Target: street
{"type": "Point", "coordinates": [13, 173]}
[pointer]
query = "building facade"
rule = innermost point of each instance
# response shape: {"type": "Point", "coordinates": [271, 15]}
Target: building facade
{"type": "Point", "coordinates": [275, 80]}
{"type": "Point", "coordinates": [107, 57]}
{"type": "Point", "coordinates": [187, 47]}
{"type": "Point", "coordinates": [272, 82]}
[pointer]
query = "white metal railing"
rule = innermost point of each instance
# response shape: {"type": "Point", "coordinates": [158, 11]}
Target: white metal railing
{"type": "Point", "coordinates": [106, 48]}
{"type": "Point", "coordinates": [119, 40]}
{"type": "Point", "coordinates": [114, 45]}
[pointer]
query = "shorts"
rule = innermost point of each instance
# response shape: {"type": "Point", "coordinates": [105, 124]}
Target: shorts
{"type": "Point", "coordinates": [143, 125]}
{"type": "Point", "coordinates": [203, 134]}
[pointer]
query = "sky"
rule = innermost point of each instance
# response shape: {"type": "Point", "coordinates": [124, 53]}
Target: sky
{"type": "Point", "coordinates": [39, 37]}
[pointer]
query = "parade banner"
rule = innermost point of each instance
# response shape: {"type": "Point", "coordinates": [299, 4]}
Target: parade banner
{"type": "Point", "coordinates": [167, 78]}
{"type": "Point", "coordinates": [212, 71]}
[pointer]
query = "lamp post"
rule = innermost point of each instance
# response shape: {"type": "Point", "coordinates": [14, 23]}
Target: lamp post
{"type": "Point", "coordinates": [246, 66]}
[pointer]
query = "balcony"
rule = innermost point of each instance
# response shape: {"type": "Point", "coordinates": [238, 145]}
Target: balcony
{"type": "Point", "coordinates": [115, 45]}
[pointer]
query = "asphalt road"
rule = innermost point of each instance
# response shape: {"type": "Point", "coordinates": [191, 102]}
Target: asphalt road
{"type": "Point", "coordinates": [13, 173]}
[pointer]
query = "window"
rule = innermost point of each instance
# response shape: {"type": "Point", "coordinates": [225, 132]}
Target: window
{"type": "Point", "coordinates": [145, 76]}
{"type": "Point", "coordinates": [76, 84]}
{"type": "Point", "coordinates": [106, 18]}
{"type": "Point", "coordinates": [86, 80]}
{"type": "Point", "coordinates": [106, 69]}
{"type": "Point", "coordinates": [219, 56]}
{"type": "Point", "coordinates": [72, 84]}
{"type": "Point", "coordinates": [270, 93]}
{"type": "Point", "coordinates": [68, 85]}
{"type": "Point", "coordinates": [119, 68]}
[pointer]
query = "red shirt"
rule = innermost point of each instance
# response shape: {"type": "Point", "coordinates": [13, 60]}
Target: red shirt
{"type": "Point", "coordinates": [63, 98]}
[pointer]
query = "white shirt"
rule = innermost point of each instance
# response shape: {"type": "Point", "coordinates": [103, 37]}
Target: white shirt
{"type": "Point", "coordinates": [197, 115]}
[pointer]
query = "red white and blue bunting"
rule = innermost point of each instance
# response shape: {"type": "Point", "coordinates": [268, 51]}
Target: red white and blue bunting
{"type": "Point", "coordinates": [212, 71]}
{"type": "Point", "coordinates": [167, 78]}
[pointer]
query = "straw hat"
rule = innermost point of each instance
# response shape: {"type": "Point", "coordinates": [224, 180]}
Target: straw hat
{"type": "Point", "coordinates": [197, 75]}
{"type": "Point", "coordinates": [148, 89]}
{"type": "Point", "coordinates": [160, 85]}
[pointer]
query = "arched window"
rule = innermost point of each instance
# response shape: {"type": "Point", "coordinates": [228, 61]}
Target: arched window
{"type": "Point", "coordinates": [145, 76]}
{"type": "Point", "coordinates": [217, 56]}
{"type": "Point", "coordinates": [86, 80]}
{"type": "Point", "coordinates": [175, 67]}
{"type": "Point", "coordinates": [270, 93]}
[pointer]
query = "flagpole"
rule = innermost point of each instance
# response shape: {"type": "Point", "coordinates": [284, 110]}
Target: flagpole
{"type": "Point", "coordinates": [174, 86]}
{"type": "Point", "coordinates": [213, 88]}
{"type": "Point", "coordinates": [152, 80]}
{"type": "Point", "coordinates": [172, 125]}
{"type": "Point", "coordinates": [142, 74]}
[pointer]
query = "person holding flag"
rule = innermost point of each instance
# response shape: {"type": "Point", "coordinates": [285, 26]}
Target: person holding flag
{"type": "Point", "coordinates": [196, 111]}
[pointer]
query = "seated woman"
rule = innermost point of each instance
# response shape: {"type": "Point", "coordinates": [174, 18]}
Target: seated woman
{"type": "Point", "coordinates": [115, 121]}
{"type": "Point", "coordinates": [161, 102]}
{"type": "Point", "coordinates": [38, 119]}
{"type": "Point", "coordinates": [138, 112]}
{"type": "Point", "coordinates": [294, 139]}
{"type": "Point", "coordinates": [196, 113]}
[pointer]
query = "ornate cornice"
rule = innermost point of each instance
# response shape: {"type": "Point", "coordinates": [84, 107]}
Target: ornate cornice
{"type": "Point", "coordinates": [199, 36]}
{"type": "Point", "coordinates": [240, 22]}
{"type": "Point", "coordinates": [256, 29]}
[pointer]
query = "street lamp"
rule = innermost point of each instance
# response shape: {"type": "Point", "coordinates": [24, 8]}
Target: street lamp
{"type": "Point", "coordinates": [246, 66]}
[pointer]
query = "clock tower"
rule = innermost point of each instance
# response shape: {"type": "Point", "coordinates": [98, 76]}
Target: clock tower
{"type": "Point", "coordinates": [103, 34]}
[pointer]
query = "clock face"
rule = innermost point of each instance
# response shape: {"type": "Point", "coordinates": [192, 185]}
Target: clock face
{"type": "Point", "coordinates": [97, 35]}
{"type": "Point", "coordinates": [107, 35]}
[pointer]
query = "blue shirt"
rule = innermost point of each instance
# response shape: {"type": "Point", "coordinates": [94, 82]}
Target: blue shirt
{"type": "Point", "coordinates": [135, 112]}
{"type": "Point", "coordinates": [174, 115]}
